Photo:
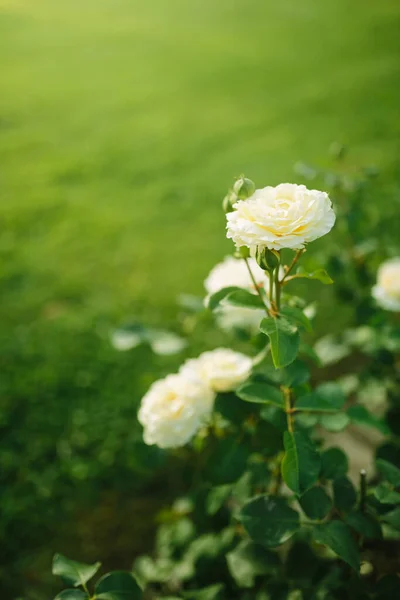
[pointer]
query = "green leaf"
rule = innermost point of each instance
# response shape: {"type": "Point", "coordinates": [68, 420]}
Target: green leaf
{"type": "Point", "coordinates": [328, 397]}
{"type": "Point", "coordinates": [275, 416]}
{"type": "Point", "coordinates": [214, 300]}
{"type": "Point", "coordinates": [269, 520]}
{"type": "Point", "coordinates": [386, 495]}
{"type": "Point", "coordinates": [267, 439]}
{"type": "Point", "coordinates": [212, 592]}
{"type": "Point", "coordinates": [297, 373]}
{"type": "Point", "coordinates": [335, 422]}
{"type": "Point", "coordinates": [344, 494]}
{"type": "Point", "coordinates": [393, 518]}
{"type": "Point", "coordinates": [234, 411]}
{"type": "Point", "coordinates": [301, 463]}
{"type": "Point", "coordinates": [320, 274]}
{"type": "Point", "coordinates": [316, 503]}
{"type": "Point", "coordinates": [244, 299]}
{"type": "Point", "coordinates": [306, 420]}
{"type": "Point", "coordinates": [118, 585]}
{"type": "Point", "coordinates": [73, 594]}
{"type": "Point", "coordinates": [165, 343]}
{"type": "Point", "coordinates": [248, 560]}
{"type": "Point", "coordinates": [336, 535]}
{"type": "Point", "coordinates": [260, 393]}
{"type": "Point", "coordinates": [216, 498]}
{"type": "Point", "coordinates": [284, 339]}
{"type": "Point", "coordinates": [72, 572]}
{"type": "Point", "coordinates": [389, 471]}
{"type": "Point", "coordinates": [365, 525]}
{"type": "Point", "coordinates": [334, 464]}
{"type": "Point", "coordinates": [296, 317]}
{"type": "Point", "coordinates": [228, 462]}
{"type": "Point", "coordinates": [361, 416]}
{"type": "Point", "coordinates": [331, 349]}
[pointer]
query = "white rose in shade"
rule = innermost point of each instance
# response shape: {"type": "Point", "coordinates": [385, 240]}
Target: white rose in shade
{"type": "Point", "coordinates": [285, 216]}
{"type": "Point", "coordinates": [222, 369]}
{"type": "Point", "coordinates": [387, 289]}
{"type": "Point", "coordinates": [234, 272]}
{"type": "Point", "coordinates": [174, 409]}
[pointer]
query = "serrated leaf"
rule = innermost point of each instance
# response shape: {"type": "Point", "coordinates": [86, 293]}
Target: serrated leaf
{"type": "Point", "coordinates": [301, 463]}
{"type": "Point", "coordinates": [73, 572]}
{"type": "Point", "coordinates": [269, 520]}
{"type": "Point", "coordinates": [73, 594]}
{"type": "Point", "coordinates": [334, 463]}
{"type": "Point", "coordinates": [260, 393]}
{"type": "Point", "coordinates": [284, 339]}
{"type": "Point", "coordinates": [389, 471]}
{"type": "Point", "coordinates": [297, 317]}
{"type": "Point", "coordinates": [337, 536]}
{"type": "Point", "coordinates": [249, 560]}
{"type": "Point", "coordinates": [118, 585]}
{"type": "Point", "coordinates": [365, 525]}
{"type": "Point", "coordinates": [320, 275]}
{"type": "Point", "coordinates": [316, 503]}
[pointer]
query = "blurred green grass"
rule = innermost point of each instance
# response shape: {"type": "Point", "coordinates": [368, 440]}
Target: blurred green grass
{"type": "Point", "coordinates": [122, 123]}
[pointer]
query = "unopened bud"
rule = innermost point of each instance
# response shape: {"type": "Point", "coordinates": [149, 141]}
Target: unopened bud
{"type": "Point", "coordinates": [242, 252]}
{"type": "Point", "coordinates": [244, 188]}
{"type": "Point", "coordinates": [229, 201]}
{"type": "Point", "coordinates": [267, 259]}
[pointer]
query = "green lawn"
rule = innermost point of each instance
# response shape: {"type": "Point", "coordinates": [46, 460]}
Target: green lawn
{"type": "Point", "coordinates": [122, 123]}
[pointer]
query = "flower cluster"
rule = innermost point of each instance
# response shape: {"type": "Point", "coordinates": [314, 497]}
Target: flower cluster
{"type": "Point", "coordinates": [270, 219]}
{"type": "Point", "coordinates": [175, 408]}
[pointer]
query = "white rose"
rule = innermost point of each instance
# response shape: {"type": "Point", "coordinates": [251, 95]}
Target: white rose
{"type": "Point", "coordinates": [174, 409]}
{"type": "Point", "coordinates": [387, 289]}
{"type": "Point", "coordinates": [285, 216]}
{"type": "Point", "coordinates": [222, 369]}
{"type": "Point", "coordinates": [234, 272]}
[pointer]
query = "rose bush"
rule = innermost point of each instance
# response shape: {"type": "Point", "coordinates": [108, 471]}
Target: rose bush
{"type": "Point", "coordinates": [271, 509]}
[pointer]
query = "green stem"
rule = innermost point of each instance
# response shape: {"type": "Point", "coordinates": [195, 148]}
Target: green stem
{"type": "Point", "coordinates": [363, 489]}
{"type": "Point", "coordinates": [288, 408]}
{"type": "Point", "coordinates": [277, 289]}
{"type": "Point", "coordinates": [256, 285]}
{"type": "Point", "coordinates": [271, 287]}
{"type": "Point", "coordinates": [293, 264]}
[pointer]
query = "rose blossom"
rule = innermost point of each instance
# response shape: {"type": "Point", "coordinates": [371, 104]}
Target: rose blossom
{"type": "Point", "coordinates": [234, 272]}
{"type": "Point", "coordinates": [222, 369]}
{"type": "Point", "coordinates": [285, 216]}
{"type": "Point", "coordinates": [387, 289]}
{"type": "Point", "coordinates": [174, 409]}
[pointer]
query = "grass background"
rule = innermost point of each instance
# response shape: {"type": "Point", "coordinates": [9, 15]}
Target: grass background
{"type": "Point", "coordinates": [122, 123]}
